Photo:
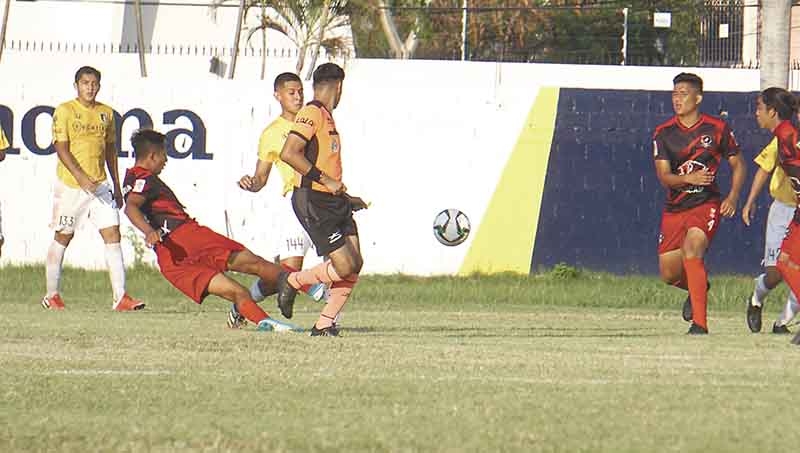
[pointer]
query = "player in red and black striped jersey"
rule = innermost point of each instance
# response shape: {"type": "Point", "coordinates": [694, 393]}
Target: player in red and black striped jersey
{"type": "Point", "coordinates": [688, 150]}
{"type": "Point", "coordinates": [190, 256]}
{"type": "Point", "coordinates": [775, 108]}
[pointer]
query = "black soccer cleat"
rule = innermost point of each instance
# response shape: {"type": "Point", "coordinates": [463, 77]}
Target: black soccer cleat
{"type": "Point", "coordinates": [780, 330]}
{"type": "Point", "coordinates": [687, 305]}
{"type": "Point", "coordinates": [687, 309]}
{"type": "Point", "coordinates": [695, 329]}
{"type": "Point", "coordinates": [286, 295]}
{"type": "Point", "coordinates": [330, 331]}
{"type": "Point", "coordinates": [753, 317]}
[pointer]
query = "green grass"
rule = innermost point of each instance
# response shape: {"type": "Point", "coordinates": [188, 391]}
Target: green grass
{"type": "Point", "coordinates": [547, 363]}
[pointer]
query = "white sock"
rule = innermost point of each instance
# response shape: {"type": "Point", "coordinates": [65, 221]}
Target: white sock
{"type": "Point", "coordinates": [55, 259]}
{"type": "Point", "coordinates": [255, 292]}
{"type": "Point", "coordinates": [789, 311]}
{"type": "Point", "coordinates": [761, 291]}
{"type": "Point", "coordinates": [116, 270]}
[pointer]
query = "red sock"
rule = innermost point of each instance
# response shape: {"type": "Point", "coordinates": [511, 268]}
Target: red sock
{"type": "Point", "coordinates": [790, 274]}
{"type": "Point", "coordinates": [697, 279]}
{"type": "Point", "coordinates": [251, 311]}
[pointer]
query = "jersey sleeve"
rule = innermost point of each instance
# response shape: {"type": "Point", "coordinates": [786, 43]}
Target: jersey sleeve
{"type": "Point", "coordinates": [659, 149]}
{"type": "Point", "coordinates": [728, 144]}
{"type": "Point", "coordinates": [307, 122]}
{"type": "Point", "coordinates": [270, 145]}
{"type": "Point", "coordinates": [143, 185]}
{"type": "Point", "coordinates": [767, 159]}
{"type": "Point", "coordinates": [60, 124]}
{"type": "Point", "coordinates": [3, 140]}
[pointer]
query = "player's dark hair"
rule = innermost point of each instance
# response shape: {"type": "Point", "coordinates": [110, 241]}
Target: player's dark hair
{"type": "Point", "coordinates": [692, 79]}
{"type": "Point", "coordinates": [328, 72]}
{"type": "Point", "coordinates": [780, 100]}
{"type": "Point", "coordinates": [143, 141]}
{"type": "Point", "coordinates": [286, 77]}
{"type": "Point", "coordinates": [86, 70]}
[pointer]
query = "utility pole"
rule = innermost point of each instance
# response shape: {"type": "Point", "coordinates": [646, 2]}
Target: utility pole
{"type": "Point", "coordinates": [624, 36]}
{"type": "Point", "coordinates": [464, 30]}
{"type": "Point", "coordinates": [774, 43]}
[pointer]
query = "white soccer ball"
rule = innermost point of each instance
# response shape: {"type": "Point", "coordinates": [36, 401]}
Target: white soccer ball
{"type": "Point", "coordinates": [451, 227]}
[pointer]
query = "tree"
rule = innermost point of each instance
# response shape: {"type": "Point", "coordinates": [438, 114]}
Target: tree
{"type": "Point", "coordinates": [309, 24]}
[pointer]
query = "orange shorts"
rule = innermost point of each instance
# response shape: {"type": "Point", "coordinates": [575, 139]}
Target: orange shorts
{"type": "Point", "coordinates": [191, 255]}
{"type": "Point", "coordinates": [675, 225]}
{"type": "Point", "coordinates": [791, 243]}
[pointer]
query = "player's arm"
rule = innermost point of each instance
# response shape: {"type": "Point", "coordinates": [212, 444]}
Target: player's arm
{"type": "Point", "coordinates": [759, 180]}
{"type": "Point", "coordinates": [670, 180]}
{"type": "Point", "coordinates": [739, 171]}
{"type": "Point", "coordinates": [112, 161]}
{"type": "Point", "coordinates": [259, 179]}
{"type": "Point", "coordinates": [294, 155]}
{"type": "Point", "coordinates": [133, 209]}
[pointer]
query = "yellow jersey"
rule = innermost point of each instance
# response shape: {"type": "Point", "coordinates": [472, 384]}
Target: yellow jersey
{"type": "Point", "coordinates": [3, 140]}
{"type": "Point", "coordinates": [779, 186]}
{"type": "Point", "coordinates": [269, 150]}
{"type": "Point", "coordinates": [88, 130]}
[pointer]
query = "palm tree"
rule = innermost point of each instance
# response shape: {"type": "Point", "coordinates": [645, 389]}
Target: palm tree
{"type": "Point", "coordinates": [309, 24]}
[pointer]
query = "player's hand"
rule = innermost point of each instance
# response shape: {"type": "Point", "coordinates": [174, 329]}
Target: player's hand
{"type": "Point", "coordinates": [89, 186]}
{"type": "Point", "coordinates": [699, 178]}
{"type": "Point", "coordinates": [728, 207]}
{"type": "Point", "coordinates": [747, 213]}
{"type": "Point", "coordinates": [334, 186]}
{"type": "Point", "coordinates": [152, 238]}
{"type": "Point", "coordinates": [2, 155]}
{"type": "Point", "coordinates": [246, 183]}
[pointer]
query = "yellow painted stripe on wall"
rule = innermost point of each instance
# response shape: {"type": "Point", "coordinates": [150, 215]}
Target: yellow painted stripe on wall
{"type": "Point", "coordinates": [505, 238]}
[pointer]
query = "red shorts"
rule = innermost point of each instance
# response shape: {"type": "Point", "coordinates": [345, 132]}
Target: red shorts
{"type": "Point", "coordinates": [674, 225]}
{"type": "Point", "coordinates": [791, 243]}
{"type": "Point", "coordinates": [191, 255]}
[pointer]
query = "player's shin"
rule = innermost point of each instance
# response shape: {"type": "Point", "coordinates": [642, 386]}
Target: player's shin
{"type": "Point", "coordinates": [698, 289]}
{"type": "Point", "coordinates": [116, 270]}
{"type": "Point", "coordinates": [250, 310]}
{"type": "Point", "coordinates": [339, 293]}
{"type": "Point", "coordinates": [789, 310]}
{"type": "Point", "coordinates": [53, 265]}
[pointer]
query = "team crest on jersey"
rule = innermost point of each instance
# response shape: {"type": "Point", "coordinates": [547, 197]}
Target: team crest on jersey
{"type": "Point", "coordinates": [103, 117]}
{"type": "Point", "coordinates": [138, 186]}
{"type": "Point", "coordinates": [795, 184]}
{"type": "Point", "coordinates": [706, 141]}
{"type": "Point", "coordinates": [334, 146]}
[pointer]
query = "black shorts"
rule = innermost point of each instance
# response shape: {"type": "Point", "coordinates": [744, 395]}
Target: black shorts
{"type": "Point", "coordinates": [328, 219]}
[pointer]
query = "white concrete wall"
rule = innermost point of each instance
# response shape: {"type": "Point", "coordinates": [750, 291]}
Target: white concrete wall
{"type": "Point", "coordinates": [418, 137]}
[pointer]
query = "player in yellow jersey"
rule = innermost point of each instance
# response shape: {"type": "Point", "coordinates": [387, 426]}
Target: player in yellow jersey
{"type": "Point", "coordinates": [780, 214]}
{"type": "Point", "coordinates": [3, 146]}
{"type": "Point", "coordinates": [84, 136]}
{"type": "Point", "coordinates": [293, 241]}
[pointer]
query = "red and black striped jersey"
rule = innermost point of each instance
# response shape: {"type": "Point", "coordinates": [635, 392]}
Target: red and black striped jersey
{"type": "Point", "coordinates": [789, 156]}
{"type": "Point", "coordinates": [162, 208]}
{"type": "Point", "coordinates": [690, 149]}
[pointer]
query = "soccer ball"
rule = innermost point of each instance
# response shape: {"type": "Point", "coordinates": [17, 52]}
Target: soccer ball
{"type": "Point", "coordinates": [451, 227]}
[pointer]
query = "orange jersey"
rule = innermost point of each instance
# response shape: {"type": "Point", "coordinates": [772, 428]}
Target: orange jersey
{"type": "Point", "coordinates": [315, 125]}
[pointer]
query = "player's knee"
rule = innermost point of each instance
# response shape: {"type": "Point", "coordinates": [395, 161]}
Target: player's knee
{"type": "Point", "coordinates": [63, 239]}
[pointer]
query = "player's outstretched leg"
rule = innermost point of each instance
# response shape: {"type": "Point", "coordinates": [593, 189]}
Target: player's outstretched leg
{"type": "Point", "coordinates": [223, 286]}
{"type": "Point", "coordinates": [249, 263]}
{"type": "Point", "coordinates": [694, 248]}
{"type": "Point", "coordinates": [53, 265]}
{"type": "Point", "coordinates": [764, 283]}
{"type": "Point", "coordinates": [671, 269]}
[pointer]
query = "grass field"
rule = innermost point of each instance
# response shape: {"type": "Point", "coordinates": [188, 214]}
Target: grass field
{"type": "Point", "coordinates": [553, 362]}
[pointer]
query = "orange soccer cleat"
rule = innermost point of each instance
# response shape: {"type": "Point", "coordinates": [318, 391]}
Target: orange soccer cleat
{"type": "Point", "coordinates": [128, 303]}
{"type": "Point", "coordinates": [53, 302]}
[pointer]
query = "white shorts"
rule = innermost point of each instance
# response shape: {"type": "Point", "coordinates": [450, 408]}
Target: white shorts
{"type": "Point", "coordinates": [292, 239]}
{"type": "Point", "coordinates": [71, 206]}
{"type": "Point", "coordinates": [780, 214]}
